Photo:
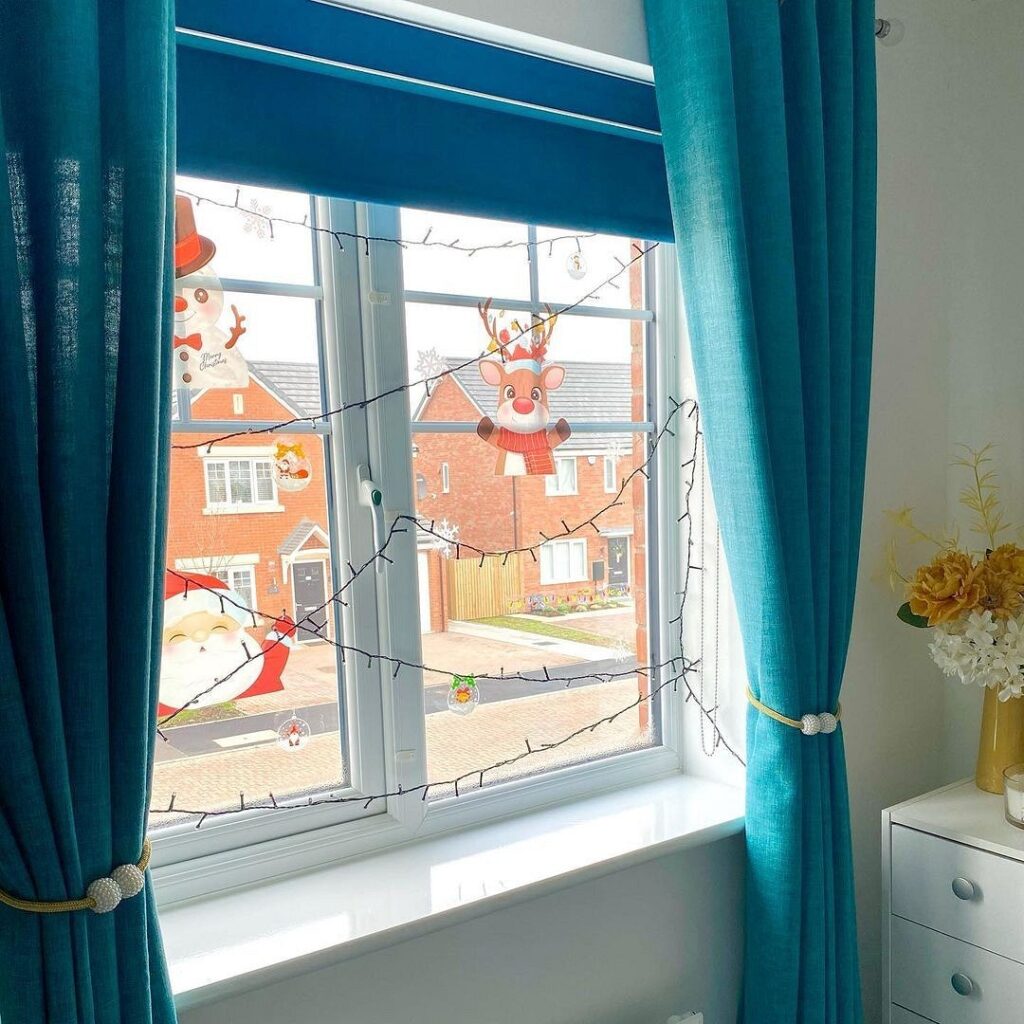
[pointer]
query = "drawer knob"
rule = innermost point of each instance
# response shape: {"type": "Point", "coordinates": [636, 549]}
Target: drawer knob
{"type": "Point", "coordinates": [963, 889]}
{"type": "Point", "coordinates": [962, 985]}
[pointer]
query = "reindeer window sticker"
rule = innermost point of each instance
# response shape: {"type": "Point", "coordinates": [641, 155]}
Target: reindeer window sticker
{"type": "Point", "coordinates": [204, 355]}
{"type": "Point", "coordinates": [522, 434]}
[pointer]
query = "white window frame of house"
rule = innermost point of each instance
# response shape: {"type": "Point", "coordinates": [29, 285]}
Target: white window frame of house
{"type": "Point", "coordinates": [363, 313]}
{"type": "Point", "coordinates": [252, 458]}
{"type": "Point", "coordinates": [446, 478]}
{"type": "Point", "coordinates": [224, 567]}
{"type": "Point", "coordinates": [611, 483]}
{"type": "Point", "coordinates": [575, 548]}
{"type": "Point", "coordinates": [557, 486]}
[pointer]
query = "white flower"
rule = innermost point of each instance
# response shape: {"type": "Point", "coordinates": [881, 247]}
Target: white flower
{"type": "Point", "coordinates": [981, 628]}
{"type": "Point", "coordinates": [984, 651]}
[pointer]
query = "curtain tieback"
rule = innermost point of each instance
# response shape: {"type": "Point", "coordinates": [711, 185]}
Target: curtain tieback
{"type": "Point", "coordinates": [102, 896]}
{"type": "Point", "coordinates": [809, 725]}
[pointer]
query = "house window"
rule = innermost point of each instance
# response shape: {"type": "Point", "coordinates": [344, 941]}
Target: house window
{"type": "Point", "coordinates": [563, 480]}
{"type": "Point", "coordinates": [242, 580]}
{"type": "Point", "coordinates": [611, 484]}
{"type": "Point", "coordinates": [563, 561]}
{"type": "Point", "coordinates": [510, 551]}
{"type": "Point", "coordinates": [239, 483]}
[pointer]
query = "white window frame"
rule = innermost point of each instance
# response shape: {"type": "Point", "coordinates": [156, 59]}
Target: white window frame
{"type": "Point", "coordinates": [225, 455]}
{"type": "Point", "coordinates": [548, 554]}
{"type": "Point", "coordinates": [611, 482]}
{"type": "Point", "coordinates": [553, 482]}
{"type": "Point", "coordinates": [446, 479]}
{"type": "Point", "coordinates": [252, 846]}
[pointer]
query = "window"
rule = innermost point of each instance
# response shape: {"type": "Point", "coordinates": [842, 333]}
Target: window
{"type": "Point", "coordinates": [241, 580]}
{"type": "Point", "coordinates": [498, 553]}
{"type": "Point", "coordinates": [239, 484]}
{"type": "Point", "coordinates": [563, 481]}
{"type": "Point", "coordinates": [611, 483]}
{"type": "Point", "coordinates": [563, 561]}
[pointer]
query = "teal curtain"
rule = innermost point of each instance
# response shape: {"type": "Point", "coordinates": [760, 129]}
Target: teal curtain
{"type": "Point", "coordinates": [768, 118]}
{"type": "Point", "coordinates": [86, 165]}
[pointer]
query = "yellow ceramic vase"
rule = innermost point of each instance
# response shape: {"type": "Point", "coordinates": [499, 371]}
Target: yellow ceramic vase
{"type": "Point", "coordinates": [1002, 739]}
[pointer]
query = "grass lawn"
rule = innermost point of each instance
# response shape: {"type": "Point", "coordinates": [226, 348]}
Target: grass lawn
{"type": "Point", "coordinates": [212, 713]}
{"type": "Point", "coordinates": [524, 625]}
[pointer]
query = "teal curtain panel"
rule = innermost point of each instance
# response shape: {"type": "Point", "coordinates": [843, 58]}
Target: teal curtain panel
{"type": "Point", "coordinates": [768, 119]}
{"type": "Point", "coordinates": [86, 166]}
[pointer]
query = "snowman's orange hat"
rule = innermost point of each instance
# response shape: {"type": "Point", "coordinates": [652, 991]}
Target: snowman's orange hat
{"type": "Point", "coordinates": [191, 250]}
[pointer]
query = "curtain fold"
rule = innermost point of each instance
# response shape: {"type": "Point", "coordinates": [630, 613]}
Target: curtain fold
{"type": "Point", "coordinates": [86, 136]}
{"type": "Point", "coordinates": [768, 121]}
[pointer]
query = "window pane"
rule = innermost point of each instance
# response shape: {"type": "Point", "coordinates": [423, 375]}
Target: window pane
{"type": "Point", "coordinates": [240, 478]}
{"type": "Point", "coordinates": [242, 238]}
{"type": "Point", "coordinates": [567, 272]}
{"type": "Point", "coordinates": [217, 487]}
{"type": "Point", "coordinates": [279, 563]}
{"type": "Point", "coordinates": [264, 482]}
{"type": "Point", "coordinates": [579, 608]}
{"type": "Point", "coordinates": [437, 269]}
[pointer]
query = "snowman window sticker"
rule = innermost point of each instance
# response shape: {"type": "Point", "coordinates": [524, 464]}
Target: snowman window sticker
{"type": "Point", "coordinates": [521, 431]}
{"type": "Point", "coordinates": [205, 354]}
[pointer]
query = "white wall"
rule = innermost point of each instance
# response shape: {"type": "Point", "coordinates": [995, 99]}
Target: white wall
{"type": "Point", "coordinates": [631, 948]}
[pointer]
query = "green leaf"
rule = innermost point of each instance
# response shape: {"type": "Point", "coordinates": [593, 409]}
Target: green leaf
{"type": "Point", "coordinates": [907, 616]}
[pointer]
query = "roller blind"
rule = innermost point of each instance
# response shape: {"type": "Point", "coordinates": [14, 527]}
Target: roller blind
{"type": "Point", "coordinates": [305, 95]}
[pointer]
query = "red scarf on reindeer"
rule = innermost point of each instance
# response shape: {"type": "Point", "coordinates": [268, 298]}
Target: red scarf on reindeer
{"type": "Point", "coordinates": [533, 447]}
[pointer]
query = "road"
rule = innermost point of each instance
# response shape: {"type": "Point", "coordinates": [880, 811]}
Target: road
{"type": "Point", "coordinates": [229, 733]}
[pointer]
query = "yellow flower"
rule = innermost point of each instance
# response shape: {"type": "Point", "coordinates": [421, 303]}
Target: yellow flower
{"type": "Point", "coordinates": [1008, 560]}
{"type": "Point", "coordinates": [945, 588]}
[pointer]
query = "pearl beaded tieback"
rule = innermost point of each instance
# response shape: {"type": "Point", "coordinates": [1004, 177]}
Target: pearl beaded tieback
{"type": "Point", "coordinates": [102, 896]}
{"type": "Point", "coordinates": [809, 725]}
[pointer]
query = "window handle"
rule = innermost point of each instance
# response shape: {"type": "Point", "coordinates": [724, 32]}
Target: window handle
{"type": "Point", "coordinates": [372, 497]}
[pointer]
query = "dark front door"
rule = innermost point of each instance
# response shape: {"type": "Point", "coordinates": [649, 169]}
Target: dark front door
{"type": "Point", "coordinates": [618, 561]}
{"type": "Point", "coordinates": [310, 586]}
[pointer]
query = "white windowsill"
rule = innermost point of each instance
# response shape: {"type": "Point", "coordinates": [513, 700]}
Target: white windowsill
{"type": "Point", "coordinates": [222, 945]}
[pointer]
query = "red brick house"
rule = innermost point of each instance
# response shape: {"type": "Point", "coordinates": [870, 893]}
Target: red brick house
{"type": "Point", "coordinates": [454, 480]}
{"type": "Point", "coordinates": [229, 518]}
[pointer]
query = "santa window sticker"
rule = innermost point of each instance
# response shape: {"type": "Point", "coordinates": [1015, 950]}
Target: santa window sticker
{"type": "Point", "coordinates": [205, 354]}
{"type": "Point", "coordinates": [292, 469]}
{"type": "Point", "coordinates": [521, 430]}
{"type": "Point", "coordinates": [212, 651]}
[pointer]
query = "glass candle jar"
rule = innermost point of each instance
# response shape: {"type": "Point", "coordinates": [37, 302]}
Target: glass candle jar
{"type": "Point", "coordinates": [1013, 789]}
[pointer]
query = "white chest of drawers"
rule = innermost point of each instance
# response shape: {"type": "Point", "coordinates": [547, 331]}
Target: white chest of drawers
{"type": "Point", "coordinates": [953, 914]}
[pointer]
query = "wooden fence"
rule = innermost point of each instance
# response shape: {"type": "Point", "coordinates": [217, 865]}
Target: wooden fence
{"type": "Point", "coordinates": [478, 591]}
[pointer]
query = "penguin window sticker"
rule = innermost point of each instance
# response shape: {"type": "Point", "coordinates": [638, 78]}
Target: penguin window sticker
{"type": "Point", "coordinates": [206, 353]}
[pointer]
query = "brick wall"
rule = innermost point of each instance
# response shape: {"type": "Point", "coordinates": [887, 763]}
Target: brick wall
{"type": "Point", "coordinates": [192, 534]}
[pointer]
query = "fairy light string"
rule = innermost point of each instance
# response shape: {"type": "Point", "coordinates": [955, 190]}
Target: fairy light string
{"type": "Point", "coordinates": [678, 667]}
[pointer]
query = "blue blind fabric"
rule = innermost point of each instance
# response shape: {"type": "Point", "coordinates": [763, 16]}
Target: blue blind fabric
{"type": "Point", "coordinates": [308, 96]}
{"type": "Point", "coordinates": [768, 115]}
{"type": "Point", "coordinates": [86, 166]}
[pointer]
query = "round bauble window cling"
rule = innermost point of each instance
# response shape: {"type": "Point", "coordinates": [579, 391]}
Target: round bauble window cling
{"type": "Point", "coordinates": [292, 469]}
{"type": "Point", "coordinates": [294, 734]}
{"type": "Point", "coordinates": [576, 265]}
{"type": "Point", "coordinates": [463, 695]}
